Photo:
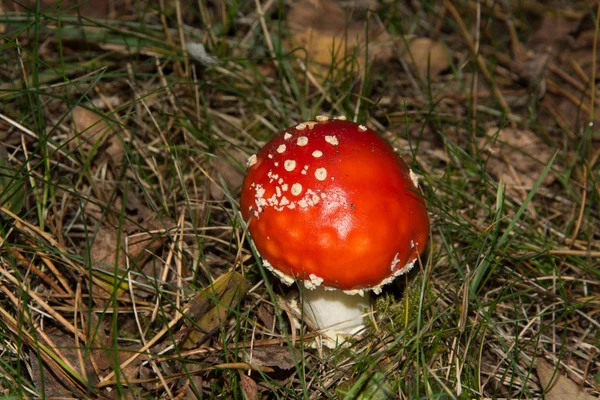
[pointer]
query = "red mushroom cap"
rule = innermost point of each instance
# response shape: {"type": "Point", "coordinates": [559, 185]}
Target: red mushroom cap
{"type": "Point", "coordinates": [331, 203]}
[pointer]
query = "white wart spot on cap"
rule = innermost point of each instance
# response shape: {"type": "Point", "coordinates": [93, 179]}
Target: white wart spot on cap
{"type": "Point", "coordinates": [260, 203]}
{"type": "Point", "coordinates": [317, 153]}
{"type": "Point", "coordinates": [296, 189]}
{"type": "Point", "coordinates": [341, 117]}
{"type": "Point", "coordinates": [302, 141]}
{"type": "Point", "coordinates": [395, 262]}
{"type": "Point", "coordinates": [281, 148]}
{"type": "Point", "coordinates": [321, 174]}
{"type": "Point", "coordinates": [315, 280]}
{"type": "Point", "coordinates": [251, 161]}
{"type": "Point", "coordinates": [314, 198]}
{"type": "Point", "coordinates": [332, 140]}
{"type": "Point", "coordinates": [287, 136]}
{"type": "Point", "coordinates": [362, 128]}
{"type": "Point", "coordinates": [300, 126]}
{"type": "Point", "coordinates": [259, 200]}
{"type": "Point", "coordinates": [260, 191]}
{"type": "Point", "coordinates": [303, 172]}
{"type": "Point", "coordinates": [322, 118]}
{"type": "Point", "coordinates": [284, 187]}
{"type": "Point", "coordinates": [289, 165]}
{"type": "Point", "coordinates": [310, 124]}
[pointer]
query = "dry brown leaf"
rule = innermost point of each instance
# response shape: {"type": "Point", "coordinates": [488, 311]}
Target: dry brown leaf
{"type": "Point", "coordinates": [52, 378]}
{"type": "Point", "coordinates": [517, 156]}
{"type": "Point", "coordinates": [330, 38]}
{"type": "Point", "coordinates": [271, 356]}
{"type": "Point", "coordinates": [557, 386]}
{"type": "Point", "coordinates": [193, 385]}
{"type": "Point", "coordinates": [209, 308]}
{"type": "Point", "coordinates": [107, 251]}
{"type": "Point", "coordinates": [90, 128]}
{"type": "Point", "coordinates": [553, 33]}
{"type": "Point", "coordinates": [249, 386]}
{"type": "Point", "coordinates": [46, 380]}
{"type": "Point", "coordinates": [266, 315]}
{"type": "Point", "coordinates": [427, 55]}
{"type": "Point", "coordinates": [566, 45]}
{"type": "Point", "coordinates": [108, 359]}
{"type": "Point", "coordinates": [533, 71]}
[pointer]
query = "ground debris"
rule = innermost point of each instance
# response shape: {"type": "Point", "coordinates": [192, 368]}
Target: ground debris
{"type": "Point", "coordinates": [93, 133]}
{"type": "Point", "coordinates": [329, 37]}
{"type": "Point", "coordinates": [271, 356]}
{"type": "Point", "coordinates": [209, 308]}
{"type": "Point", "coordinates": [558, 386]}
{"type": "Point", "coordinates": [428, 56]}
{"type": "Point", "coordinates": [517, 157]}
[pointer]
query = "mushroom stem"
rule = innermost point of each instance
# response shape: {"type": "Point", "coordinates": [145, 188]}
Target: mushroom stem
{"type": "Point", "coordinates": [337, 314]}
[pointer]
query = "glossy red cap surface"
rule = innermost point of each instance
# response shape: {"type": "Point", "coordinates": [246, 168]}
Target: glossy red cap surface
{"type": "Point", "coordinates": [331, 202]}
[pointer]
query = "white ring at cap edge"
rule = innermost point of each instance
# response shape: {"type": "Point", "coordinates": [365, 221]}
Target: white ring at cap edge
{"type": "Point", "coordinates": [288, 280]}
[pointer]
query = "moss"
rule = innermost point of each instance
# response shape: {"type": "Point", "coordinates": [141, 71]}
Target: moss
{"type": "Point", "coordinates": [399, 314]}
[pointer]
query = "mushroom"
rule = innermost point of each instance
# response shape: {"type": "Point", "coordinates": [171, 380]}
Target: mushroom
{"type": "Point", "coordinates": [330, 204]}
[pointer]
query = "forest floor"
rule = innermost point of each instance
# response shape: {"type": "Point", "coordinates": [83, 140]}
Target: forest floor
{"type": "Point", "coordinates": [125, 267]}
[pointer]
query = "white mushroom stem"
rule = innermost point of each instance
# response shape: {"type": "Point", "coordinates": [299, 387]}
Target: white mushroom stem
{"type": "Point", "coordinates": [337, 314]}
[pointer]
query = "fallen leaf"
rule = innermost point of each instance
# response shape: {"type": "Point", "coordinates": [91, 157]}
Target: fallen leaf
{"type": "Point", "coordinates": [533, 72]}
{"type": "Point", "coordinates": [91, 132]}
{"type": "Point", "coordinates": [51, 378]}
{"type": "Point", "coordinates": [428, 56]}
{"type": "Point", "coordinates": [266, 315]}
{"type": "Point", "coordinates": [89, 129]}
{"type": "Point", "coordinates": [330, 38]}
{"type": "Point", "coordinates": [566, 44]}
{"type": "Point", "coordinates": [553, 33]}
{"type": "Point", "coordinates": [193, 384]}
{"type": "Point", "coordinates": [109, 254]}
{"type": "Point", "coordinates": [517, 157]}
{"type": "Point", "coordinates": [270, 356]}
{"type": "Point", "coordinates": [557, 386]}
{"type": "Point", "coordinates": [208, 309]}
{"type": "Point", "coordinates": [249, 386]}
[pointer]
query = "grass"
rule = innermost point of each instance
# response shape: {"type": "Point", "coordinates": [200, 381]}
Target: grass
{"type": "Point", "coordinates": [128, 273]}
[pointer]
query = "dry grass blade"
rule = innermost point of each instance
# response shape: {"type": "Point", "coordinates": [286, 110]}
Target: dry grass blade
{"type": "Point", "coordinates": [54, 360]}
{"type": "Point", "coordinates": [125, 270]}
